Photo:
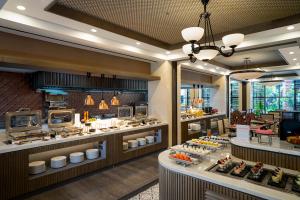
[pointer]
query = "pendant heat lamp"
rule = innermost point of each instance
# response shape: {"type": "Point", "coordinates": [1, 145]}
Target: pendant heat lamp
{"type": "Point", "coordinates": [114, 101]}
{"type": "Point", "coordinates": [89, 101]}
{"type": "Point", "coordinates": [103, 105]}
{"type": "Point", "coordinates": [208, 50]}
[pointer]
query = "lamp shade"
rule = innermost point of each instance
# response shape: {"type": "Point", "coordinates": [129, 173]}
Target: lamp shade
{"type": "Point", "coordinates": [187, 48]}
{"type": "Point", "coordinates": [103, 105]}
{"type": "Point", "coordinates": [206, 54]}
{"type": "Point", "coordinates": [192, 34]}
{"type": "Point", "coordinates": [246, 75]}
{"type": "Point", "coordinates": [233, 40]}
{"type": "Point", "coordinates": [89, 101]}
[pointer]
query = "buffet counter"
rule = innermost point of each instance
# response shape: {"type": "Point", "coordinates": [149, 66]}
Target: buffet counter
{"type": "Point", "coordinates": [205, 121]}
{"type": "Point", "coordinates": [195, 182]}
{"type": "Point", "coordinates": [112, 147]}
{"type": "Point", "coordinates": [279, 153]}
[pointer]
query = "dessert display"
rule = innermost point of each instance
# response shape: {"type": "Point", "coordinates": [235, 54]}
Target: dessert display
{"type": "Point", "coordinates": [278, 178]}
{"type": "Point", "coordinates": [296, 184]}
{"type": "Point", "coordinates": [76, 157]}
{"type": "Point", "coordinates": [257, 173]}
{"type": "Point", "coordinates": [37, 167]}
{"type": "Point", "coordinates": [208, 144]}
{"type": "Point", "coordinates": [294, 140]}
{"type": "Point", "coordinates": [58, 162]}
{"type": "Point", "coordinates": [240, 170]}
{"type": "Point", "coordinates": [92, 154]}
{"type": "Point", "coordinates": [181, 158]}
{"type": "Point", "coordinates": [225, 164]}
{"type": "Point", "coordinates": [215, 139]}
{"type": "Point", "coordinates": [195, 150]}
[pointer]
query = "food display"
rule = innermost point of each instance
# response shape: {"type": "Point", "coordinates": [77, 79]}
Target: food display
{"type": "Point", "coordinates": [296, 184]}
{"type": "Point", "coordinates": [181, 158]}
{"type": "Point", "coordinates": [195, 150]}
{"type": "Point", "coordinates": [294, 140]}
{"type": "Point", "coordinates": [225, 164]}
{"type": "Point", "coordinates": [216, 139]}
{"type": "Point", "coordinates": [257, 172]}
{"type": "Point", "coordinates": [278, 178]}
{"type": "Point", "coordinates": [208, 144]}
{"type": "Point", "coordinates": [240, 170]}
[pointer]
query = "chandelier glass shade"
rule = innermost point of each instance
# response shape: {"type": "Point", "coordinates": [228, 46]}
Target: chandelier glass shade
{"type": "Point", "coordinates": [246, 74]}
{"type": "Point", "coordinates": [208, 50]}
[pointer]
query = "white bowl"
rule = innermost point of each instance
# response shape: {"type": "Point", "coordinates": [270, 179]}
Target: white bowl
{"type": "Point", "coordinates": [141, 141]}
{"type": "Point", "coordinates": [92, 153]}
{"type": "Point", "coordinates": [132, 143]}
{"type": "Point", "coordinates": [58, 162]}
{"type": "Point", "coordinates": [76, 157]}
{"type": "Point", "coordinates": [37, 167]}
{"type": "Point", "coordinates": [149, 139]}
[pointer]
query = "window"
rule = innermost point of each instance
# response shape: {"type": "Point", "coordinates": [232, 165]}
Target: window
{"type": "Point", "coordinates": [184, 98]}
{"type": "Point", "coordinates": [271, 98]}
{"type": "Point", "coordinates": [234, 95]}
{"type": "Point", "coordinates": [206, 93]}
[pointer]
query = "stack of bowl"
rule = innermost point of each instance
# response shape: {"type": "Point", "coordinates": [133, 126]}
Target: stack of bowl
{"type": "Point", "coordinates": [58, 162]}
{"type": "Point", "coordinates": [37, 167]}
{"type": "Point", "coordinates": [133, 143]}
{"type": "Point", "coordinates": [149, 139]}
{"type": "Point", "coordinates": [76, 157]}
{"type": "Point", "coordinates": [141, 141]}
{"type": "Point", "coordinates": [92, 154]}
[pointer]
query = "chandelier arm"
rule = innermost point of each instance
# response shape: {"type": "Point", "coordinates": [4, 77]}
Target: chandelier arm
{"type": "Point", "coordinates": [192, 58]}
{"type": "Point", "coordinates": [226, 54]}
{"type": "Point", "coordinates": [211, 32]}
{"type": "Point", "coordinates": [200, 19]}
{"type": "Point", "coordinates": [195, 50]}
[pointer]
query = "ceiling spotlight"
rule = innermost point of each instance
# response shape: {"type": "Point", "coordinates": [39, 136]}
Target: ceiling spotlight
{"type": "Point", "coordinates": [217, 67]}
{"type": "Point", "coordinates": [290, 28]}
{"type": "Point", "coordinates": [200, 67]}
{"type": "Point", "coordinates": [294, 59]}
{"type": "Point", "coordinates": [20, 7]}
{"type": "Point", "coordinates": [205, 64]}
{"type": "Point", "coordinates": [138, 43]}
{"type": "Point", "coordinates": [168, 52]}
{"type": "Point", "coordinates": [93, 30]}
{"type": "Point", "coordinates": [291, 52]}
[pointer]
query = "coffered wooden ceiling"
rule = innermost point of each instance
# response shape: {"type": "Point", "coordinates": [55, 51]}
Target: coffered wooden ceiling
{"type": "Point", "coordinates": [159, 22]}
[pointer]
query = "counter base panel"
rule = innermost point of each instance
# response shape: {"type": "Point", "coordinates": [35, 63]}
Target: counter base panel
{"type": "Point", "coordinates": [268, 157]}
{"type": "Point", "coordinates": [176, 186]}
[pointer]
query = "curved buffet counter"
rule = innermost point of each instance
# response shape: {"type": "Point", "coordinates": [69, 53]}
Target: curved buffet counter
{"type": "Point", "coordinates": [279, 153]}
{"type": "Point", "coordinates": [195, 182]}
{"type": "Point", "coordinates": [16, 180]}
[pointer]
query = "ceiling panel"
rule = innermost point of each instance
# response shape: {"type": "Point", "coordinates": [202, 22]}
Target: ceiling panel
{"type": "Point", "coordinates": [163, 20]}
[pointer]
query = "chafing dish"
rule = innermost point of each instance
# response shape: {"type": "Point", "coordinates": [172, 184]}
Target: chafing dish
{"type": "Point", "coordinates": [141, 112]}
{"type": "Point", "coordinates": [61, 118]}
{"type": "Point", "coordinates": [125, 112]}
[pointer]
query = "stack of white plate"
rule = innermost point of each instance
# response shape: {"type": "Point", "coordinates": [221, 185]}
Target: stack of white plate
{"type": "Point", "coordinates": [141, 141]}
{"type": "Point", "coordinates": [125, 145]}
{"type": "Point", "coordinates": [149, 139]}
{"type": "Point", "coordinates": [92, 153]}
{"type": "Point", "coordinates": [58, 162]}
{"type": "Point", "coordinates": [37, 167]}
{"type": "Point", "coordinates": [76, 157]}
{"type": "Point", "coordinates": [133, 143]}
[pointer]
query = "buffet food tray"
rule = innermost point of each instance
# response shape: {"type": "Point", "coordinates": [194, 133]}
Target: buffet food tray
{"type": "Point", "coordinates": [287, 184]}
{"type": "Point", "coordinates": [182, 162]}
{"type": "Point", "coordinates": [215, 139]}
{"type": "Point", "coordinates": [190, 152]}
{"type": "Point", "coordinates": [204, 145]}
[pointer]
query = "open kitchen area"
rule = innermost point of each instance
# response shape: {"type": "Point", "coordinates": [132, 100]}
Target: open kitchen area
{"type": "Point", "coordinates": [149, 100]}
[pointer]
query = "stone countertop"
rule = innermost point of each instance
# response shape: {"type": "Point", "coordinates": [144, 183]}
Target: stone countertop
{"type": "Point", "coordinates": [5, 148]}
{"type": "Point", "coordinates": [202, 117]}
{"type": "Point", "coordinates": [199, 171]}
{"type": "Point", "coordinates": [278, 146]}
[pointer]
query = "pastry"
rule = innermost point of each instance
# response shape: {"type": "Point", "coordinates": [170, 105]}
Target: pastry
{"type": "Point", "coordinates": [277, 175]}
{"type": "Point", "coordinates": [239, 168]}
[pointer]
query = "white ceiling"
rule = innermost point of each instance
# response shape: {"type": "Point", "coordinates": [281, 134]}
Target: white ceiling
{"type": "Point", "coordinates": [45, 24]}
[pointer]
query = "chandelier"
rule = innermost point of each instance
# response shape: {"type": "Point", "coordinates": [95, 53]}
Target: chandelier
{"type": "Point", "coordinates": [246, 74]}
{"type": "Point", "coordinates": [209, 50]}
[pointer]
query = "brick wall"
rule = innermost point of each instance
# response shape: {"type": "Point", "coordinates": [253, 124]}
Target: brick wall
{"type": "Point", "coordinates": [16, 93]}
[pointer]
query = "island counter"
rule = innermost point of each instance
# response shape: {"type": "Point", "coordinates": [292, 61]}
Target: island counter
{"type": "Point", "coordinates": [279, 153]}
{"type": "Point", "coordinates": [196, 183]}
{"type": "Point", "coordinates": [16, 180]}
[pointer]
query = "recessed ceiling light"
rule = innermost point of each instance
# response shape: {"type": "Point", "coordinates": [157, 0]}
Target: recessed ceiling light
{"type": "Point", "coordinates": [138, 43]}
{"type": "Point", "coordinates": [200, 67]}
{"type": "Point", "coordinates": [93, 30]}
{"type": "Point", "coordinates": [290, 28]}
{"type": "Point", "coordinates": [168, 52]}
{"type": "Point", "coordinates": [212, 70]}
{"type": "Point", "coordinates": [20, 7]}
{"type": "Point", "coordinates": [291, 52]}
{"type": "Point", "coordinates": [294, 59]}
{"type": "Point", "coordinates": [217, 67]}
{"type": "Point", "coordinates": [205, 64]}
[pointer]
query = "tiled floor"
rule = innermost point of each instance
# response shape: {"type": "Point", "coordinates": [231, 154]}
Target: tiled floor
{"type": "Point", "coordinates": [151, 193]}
